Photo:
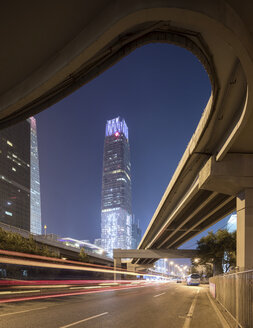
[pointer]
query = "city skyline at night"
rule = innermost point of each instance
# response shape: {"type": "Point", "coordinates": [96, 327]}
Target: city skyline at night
{"type": "Point", "coordinates": [161, 91]}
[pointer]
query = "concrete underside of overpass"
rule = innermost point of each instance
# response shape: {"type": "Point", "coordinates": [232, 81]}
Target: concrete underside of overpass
{"type": "Point", "coordinates": [50, 49]}
{"type": "Point", "coordinates": [148, 254]}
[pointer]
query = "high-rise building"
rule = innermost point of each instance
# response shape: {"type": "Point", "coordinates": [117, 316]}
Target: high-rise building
{"type": "Point", "coordinates": [232, 223]}
{"type": "Point", "coordinates": [35, 222]}
{"type": "Point", "coordinates": [116, 216]}
{"type": "Point", "coordinates": [98, 242]}
{"type": "Point", "coordinates": [15, 175]}
{"type": "Point", "coordinates": [136, 233]}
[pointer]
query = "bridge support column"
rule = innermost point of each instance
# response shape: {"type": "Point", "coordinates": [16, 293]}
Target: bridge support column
{"type": "Point", "coordinates": [244, 207]}
{"type": "Point", "coordinates": [117, 264]}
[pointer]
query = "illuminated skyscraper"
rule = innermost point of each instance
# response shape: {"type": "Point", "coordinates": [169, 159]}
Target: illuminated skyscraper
{"type": "Point", "coordinates": [116, 216]}
{"type": "Point", "coordinates": [136, 233]}
{"type": "Point", "coordinates": [35, 221]}
{"type": "Point", "coordinates": [15, 175]}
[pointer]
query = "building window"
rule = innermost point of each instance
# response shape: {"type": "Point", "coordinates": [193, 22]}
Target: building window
{"type": "Point", "coordinates": [8, 213]}
{"type": "Point", "coordinates": [9, 143]}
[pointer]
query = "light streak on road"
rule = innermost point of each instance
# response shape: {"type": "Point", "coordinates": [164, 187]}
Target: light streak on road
{"type": "Point", "coordinates": [20, 292]}
{"type": "Point", "coordinates": [50, 259]}
{"type": "Point", "coordinates": [7, 260]}
{"type": "Point", "coordinates": [36, 297]}
{"type": "Point", "coordinates": [13, 286]}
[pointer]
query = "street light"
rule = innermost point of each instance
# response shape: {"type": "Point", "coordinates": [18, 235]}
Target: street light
{"type": "Point", "coordinates": [170, 265]}
{"type": "Point", "coordinates": [165, 265]}
{"type": "Point", "coordinates": [176, 271]}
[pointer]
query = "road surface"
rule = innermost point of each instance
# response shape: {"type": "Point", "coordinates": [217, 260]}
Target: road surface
{"type": "Point", "coordinates": [161, 305]}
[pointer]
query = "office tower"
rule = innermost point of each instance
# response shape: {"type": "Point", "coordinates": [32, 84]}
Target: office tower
{"type": "Point", "coordinates": [35, 222]}
{"type": "Point", "coordinates": [98, 242]}
{"type": "Point", "coordinates": [116, 211]}
{"type": "Point", "coordinates": [136, 233]}
{"type": "Point", "coordinates": [232, 223]}
{"type": "Point", "coordinates": [15, 175]}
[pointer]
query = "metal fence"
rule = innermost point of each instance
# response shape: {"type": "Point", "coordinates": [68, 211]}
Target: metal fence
{"type": "Point", "coordinates": [235, 293]}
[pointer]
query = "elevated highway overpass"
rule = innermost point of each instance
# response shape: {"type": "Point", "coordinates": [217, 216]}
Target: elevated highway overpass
{"type": "Point", "coordinates": [60, 249]}
{"type": "Point", "coordinates": [49, 49]}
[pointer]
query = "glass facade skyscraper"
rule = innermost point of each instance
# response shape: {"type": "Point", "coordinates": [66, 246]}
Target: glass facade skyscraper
{"type": "Point", "coordinates": [232, 223]}
{"type": "Point", "coordinates": [35, 222]}
{"type": "Point", "coordinates": [116, 208]}
{"type": "Point", "coordinates": [15, 175]}
{"type": "Point", "coordinates": [136, 233]}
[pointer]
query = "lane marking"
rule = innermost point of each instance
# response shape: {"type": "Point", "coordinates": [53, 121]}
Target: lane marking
{"type": "Point", "coordinates": [159, 295]}
{"type": "Point", "coordinates": [20, 292]}
{"type": "Point", "coordinates": [90, 318]}
{"type": "Point", "coordinates": [3, 315]}
{"type": "Point", "coordinates": [219, 315]}
{"type": "Point", "coordinates": [130, 293]}
{"type": "Point", "coordinates": [190, 313]}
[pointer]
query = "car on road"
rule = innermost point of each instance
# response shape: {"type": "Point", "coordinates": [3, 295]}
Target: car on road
{"type": "Point", "coordinates": [193, 279]}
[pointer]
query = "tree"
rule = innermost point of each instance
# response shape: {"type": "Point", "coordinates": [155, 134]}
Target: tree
{"type": "Point", "coordinates": [14, 242]}
{"type": "Point", "coordinates": [217, 249]}
{"type": "Point", "coordinates": [83, 256]}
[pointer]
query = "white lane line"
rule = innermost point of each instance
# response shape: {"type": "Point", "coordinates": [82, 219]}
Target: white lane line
{"type": "Point", "coordinates": [20, 292]}
{"type": "Point", "coordinates": [90, 318]}
{"type": "Point", "coordinates": [220, 316]}
{"type": "Point", "coordinates": [159, 294]}
{"type": "Point", "coordinates": [190, 313]}
{"type": "Point", "coordinates": [3, 315]}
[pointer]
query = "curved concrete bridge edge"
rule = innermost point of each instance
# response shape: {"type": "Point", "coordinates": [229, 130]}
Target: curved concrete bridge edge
{"type": "Point", "coordinates": [218, 32]}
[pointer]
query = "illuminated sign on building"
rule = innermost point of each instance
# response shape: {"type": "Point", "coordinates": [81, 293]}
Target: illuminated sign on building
{"type": "Point", "coordinates": [115, 127]}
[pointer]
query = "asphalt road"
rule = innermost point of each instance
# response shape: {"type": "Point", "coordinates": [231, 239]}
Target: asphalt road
{"type": "Point", "coordinates": [166, 305]}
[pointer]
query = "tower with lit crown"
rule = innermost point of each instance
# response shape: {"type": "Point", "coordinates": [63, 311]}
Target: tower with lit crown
{"type": "Point", "coordinates": [116, 207]}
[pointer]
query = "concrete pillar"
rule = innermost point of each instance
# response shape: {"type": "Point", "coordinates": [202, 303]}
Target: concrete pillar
{"type": "Point", "coordinates": [244, 251]}
{"type": "Point", "coordinates": [117, 264]}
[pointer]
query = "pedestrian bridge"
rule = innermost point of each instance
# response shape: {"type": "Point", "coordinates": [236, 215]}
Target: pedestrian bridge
{"type": "Point", "coordinates": [49, 50]}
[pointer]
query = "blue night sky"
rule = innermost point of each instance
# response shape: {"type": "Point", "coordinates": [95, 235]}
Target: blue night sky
{"type": "Point", "coordinates": [161, 91]}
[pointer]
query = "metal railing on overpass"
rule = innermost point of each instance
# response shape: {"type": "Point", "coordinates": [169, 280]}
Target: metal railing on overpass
{"type": "Point", "coordinates": [235, 293]}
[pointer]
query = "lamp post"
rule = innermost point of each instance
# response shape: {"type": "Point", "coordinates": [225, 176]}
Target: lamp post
{"type": "Point", "coordinates": [171, 265]}
{"type": "Point", "coordinates": [185, 270]}
{"type": "Point", "coordinates": [165, 265]}
{"type": "Point", "coordinates": [176, 269]}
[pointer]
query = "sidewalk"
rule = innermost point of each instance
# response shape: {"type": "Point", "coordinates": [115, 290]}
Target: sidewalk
{"type": "Point", "coordinates": [206, 313]}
